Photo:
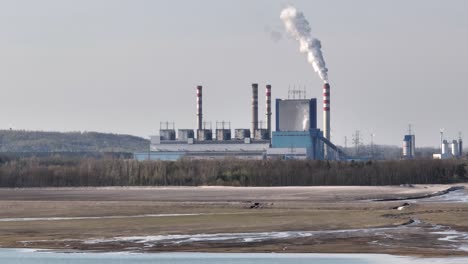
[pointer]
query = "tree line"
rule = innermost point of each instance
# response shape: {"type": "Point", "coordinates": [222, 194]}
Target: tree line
{"type": "Point", "coordinates": [57, 171]}
{"type": "Point", "coordinates": [41, 141]}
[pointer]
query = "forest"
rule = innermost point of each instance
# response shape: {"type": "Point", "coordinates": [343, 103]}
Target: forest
{"type": "Point", "coordinates": [63, 171]}
{"type": "Point", "coordinates": [41, 141]}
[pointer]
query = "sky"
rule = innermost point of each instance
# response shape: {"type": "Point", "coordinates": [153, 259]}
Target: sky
{"type": "Point", "coordinates": [124, 66]}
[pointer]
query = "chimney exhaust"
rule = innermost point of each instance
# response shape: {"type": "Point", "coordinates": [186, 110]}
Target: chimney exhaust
{"type": "Point", "coordinates": [268, 109]}
{"type": "Point", "coordinates": [199, 107]}
{"type": "Point", "coordinates": [254, 108]}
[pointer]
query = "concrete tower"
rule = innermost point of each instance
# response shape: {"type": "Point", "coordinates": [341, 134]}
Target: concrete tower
{"type": "Point", "coordinates": [254, 108]}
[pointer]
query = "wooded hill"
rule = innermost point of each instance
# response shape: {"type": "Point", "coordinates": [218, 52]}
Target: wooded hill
{"type": "Point", "coordinates": [60, 172]}
{"type": "Point", "coordinates": [39, 141]}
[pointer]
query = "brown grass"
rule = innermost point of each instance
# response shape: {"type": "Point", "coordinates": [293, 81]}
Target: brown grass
{"type": "Point", "coordinates": [283, 209]}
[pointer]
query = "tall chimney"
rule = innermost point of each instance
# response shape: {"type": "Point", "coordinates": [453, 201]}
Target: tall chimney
{"type": "Point", "coordinates": [268, 109]}
{"type": "Point", "coordinates": [199, 107]}
{"type": "Point", "coordinates": [326, 110]}
{"type": "Point", "coordinates": [460, 146]}
{"type": "Point", "coordinates": [254, 108]}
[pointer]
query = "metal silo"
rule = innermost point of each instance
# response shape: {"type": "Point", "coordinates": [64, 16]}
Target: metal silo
{"type": "Point", "coordinates": [445, 148]}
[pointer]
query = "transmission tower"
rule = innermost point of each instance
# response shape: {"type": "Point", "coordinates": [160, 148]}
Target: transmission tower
{"type": "Point", "coordinates": [357, 141]}
{"type": "Point", "coordinates": [372, 145]}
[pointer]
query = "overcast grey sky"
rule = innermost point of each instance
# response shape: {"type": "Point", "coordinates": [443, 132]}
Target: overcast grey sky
{"type": "Point", "coordinates": [124, 66]}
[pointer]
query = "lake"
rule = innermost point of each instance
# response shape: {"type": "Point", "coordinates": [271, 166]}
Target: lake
{"type": "Point", "coordinates": [25, 256]}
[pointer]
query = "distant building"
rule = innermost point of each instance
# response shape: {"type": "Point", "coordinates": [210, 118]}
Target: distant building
{"type": "Point", "coordinates": [206, 149]}
{"type": "Point", "coordinates": [297, 135]}
{"type": "Point", "coordinates": [409, 146]}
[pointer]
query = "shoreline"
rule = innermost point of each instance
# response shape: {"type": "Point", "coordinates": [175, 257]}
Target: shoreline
{"type": "Point", "coordinates": [336, 220]}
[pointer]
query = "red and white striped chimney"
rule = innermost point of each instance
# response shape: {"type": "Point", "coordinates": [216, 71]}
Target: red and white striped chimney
{"type": "Point", "coordinates": [326, 111]}
{"type": "Point", "coordinates": [199, 107]}
{"type": "Point", "coordinates": [268, 108]}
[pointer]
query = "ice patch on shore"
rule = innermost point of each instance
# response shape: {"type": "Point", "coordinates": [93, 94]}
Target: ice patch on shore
{"type": "Point", "coordinates": [234, 237]}
{"type": "Point", "coordinates": [184, 239]}
{"type": "Point", "coordinates": [456, 239]}
{"type": "Point", "coordinates": [463, 248]}
{"type": "Point", "coordinates": [453, 236]}
{"type": "Point", "coordinates": [458, 196]}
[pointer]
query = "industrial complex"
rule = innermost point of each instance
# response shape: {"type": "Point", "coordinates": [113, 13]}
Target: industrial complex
{"type": "Point", "coordinates": [452, 149]}
{"type": "Point", "coordinates": [296, 134]}
{"type": "Point", "coordinates": [449, 149]}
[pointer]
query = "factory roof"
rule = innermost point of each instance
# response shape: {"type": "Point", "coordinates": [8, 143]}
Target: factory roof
{"type": "Point", "coordinates": [214, 142]}
{"type": "Point", "coordinates": [210, 146]}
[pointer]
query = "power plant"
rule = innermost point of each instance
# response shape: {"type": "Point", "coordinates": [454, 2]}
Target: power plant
{"type": "Point", "coordinates": [296, 135]}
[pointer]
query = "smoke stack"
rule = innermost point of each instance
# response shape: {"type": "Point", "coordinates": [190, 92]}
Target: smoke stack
{"type": "Point", "coordinates": [254, 107]}
{"type": "Point", "coordinates": [268, 109]}
{"type": "Point", "coordinates": [326, 110]}
{"type": "Point", "coordinates": [199, 107]}
{"type": "Point", "coordinates": [441, 139]}
{"type": "Point", "coordinates": [460, 147]}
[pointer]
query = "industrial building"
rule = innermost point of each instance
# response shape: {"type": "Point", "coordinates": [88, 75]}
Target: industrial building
{"type": "Point", "coordinates": [409, 145]}
{"type": "Point", "coordinates": [449, 149]}
{"type": "Point", "coordinates": [296, 137]}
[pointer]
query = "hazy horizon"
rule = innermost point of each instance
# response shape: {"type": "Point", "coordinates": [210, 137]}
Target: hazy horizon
{"type": "Point", "coordinates": [124, 66]}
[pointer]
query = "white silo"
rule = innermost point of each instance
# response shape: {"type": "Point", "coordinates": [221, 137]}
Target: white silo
{"type": "Point", "coordinates": [455, 149]}
{"type": "Point", "coordinates": [445, 148]}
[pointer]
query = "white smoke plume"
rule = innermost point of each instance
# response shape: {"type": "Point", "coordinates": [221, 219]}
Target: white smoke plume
{"type": "Point", "coordinates": [298, 26]}
{"type": "Point", "coordinates": [305, 120]}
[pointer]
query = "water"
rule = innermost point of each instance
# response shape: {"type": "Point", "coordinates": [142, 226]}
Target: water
{"type": "Point", "coordinates": [459, 196]}
{"type": "Point", "coordinates": [19, 256]}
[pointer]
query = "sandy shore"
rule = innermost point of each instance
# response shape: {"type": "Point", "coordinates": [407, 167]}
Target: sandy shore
{"type": "Point", "coordinates": [344, 219]}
